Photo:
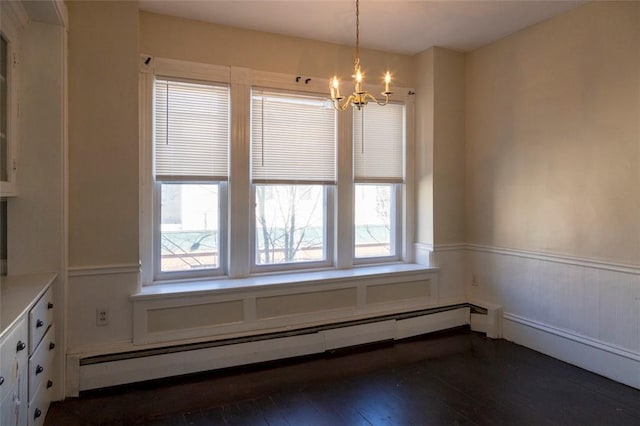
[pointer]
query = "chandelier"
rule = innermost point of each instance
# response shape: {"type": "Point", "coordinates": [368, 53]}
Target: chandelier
{"type": "Point", "coordinates": [359, 97]}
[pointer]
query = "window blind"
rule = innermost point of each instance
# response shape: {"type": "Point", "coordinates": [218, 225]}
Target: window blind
{"type": "Point", "coordinates": [293, 139]}
{"type": "Point", "coordinates": [378, 143]}
{"type": "Point", "coordinates": [191, 131]}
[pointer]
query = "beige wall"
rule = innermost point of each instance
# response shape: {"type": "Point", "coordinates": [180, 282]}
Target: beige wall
{"type": "Point", "coordinates": [448, 147]}
{"type": "Point", "coordinates": [189, 40]}
{"type": "Point", "coordinates": [36, 231]}
{"type": "Point", "coordinates": [424, 65]}
{"type": "Point", "coordinates": [103, 133]}
{"type": "Point", "coordinates": [553, 136]}
{"type": "Point", "coordinates": [440, 146]}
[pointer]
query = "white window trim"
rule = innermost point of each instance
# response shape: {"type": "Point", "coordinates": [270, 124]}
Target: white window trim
{"type": "Point", "coordinates": [239, 234]}
{"type": "Point", "coordinates": [402, 246]}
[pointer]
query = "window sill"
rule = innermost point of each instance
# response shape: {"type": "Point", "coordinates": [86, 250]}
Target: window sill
{"type": "Point", "coordinates": [284, 281]}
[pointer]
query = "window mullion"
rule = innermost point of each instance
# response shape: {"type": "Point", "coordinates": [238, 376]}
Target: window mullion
{"type": "Point", "coordinates": [146, 199]}
{"type": "Point", "coordinates": [408, 194]}
{"type": "Point", "coordinates": [344, 214]}
{"type": "Point", "coordinates": [239, 189]}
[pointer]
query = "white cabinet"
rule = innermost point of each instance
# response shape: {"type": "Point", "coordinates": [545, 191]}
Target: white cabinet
{"type": "Point", "coordinates": [41, 352]}
{"type": "Point", "coordinates": [27, 349]}
{"type": "Point", "coordinates": [13, 375]}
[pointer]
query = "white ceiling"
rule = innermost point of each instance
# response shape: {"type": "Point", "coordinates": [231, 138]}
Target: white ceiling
{"type": "Point", "coordinates": [399, 26]}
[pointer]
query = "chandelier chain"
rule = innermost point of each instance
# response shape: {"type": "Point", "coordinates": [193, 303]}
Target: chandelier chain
{"type": "Point", "coordinates": [356, 60]}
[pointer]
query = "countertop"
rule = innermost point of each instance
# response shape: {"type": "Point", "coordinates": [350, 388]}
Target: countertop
{"type": "Point", "coordinates": [18, 293]}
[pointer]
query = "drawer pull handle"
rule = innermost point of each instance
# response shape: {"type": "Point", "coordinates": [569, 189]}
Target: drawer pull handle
{"type": "Point", "coordinates": [49, 384]}
{"type": "Point", "coordinates": [37, 413]}
{"type": "Point", "coordinates": [39, 369]}
{"type": "Point", "coordinates": [20, 346]}
{"type": "Point", "coordinates": [39, 323]}
{"type": "Point", "coordinates": [1, 380]}
{"type": "Point", "coordinates": [49, 305]}
{"type": "Point", "coordinates": [52, 346]}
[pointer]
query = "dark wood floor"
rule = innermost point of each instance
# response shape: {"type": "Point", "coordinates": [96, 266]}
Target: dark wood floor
{"type": "Point", "coordinates": [455, 378]}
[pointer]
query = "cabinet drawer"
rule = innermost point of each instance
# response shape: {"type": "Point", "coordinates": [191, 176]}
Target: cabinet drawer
{"type": "Point", "coordinates": [39, 406]}
{"type": "Point", "coordinates": [13, 408]}
{"type": "Point", "coordinates": [41, 363]}
{"type": "Point", "coordinates": [40, 318]}
{"type": "Point", "coordinates": [13, 356]}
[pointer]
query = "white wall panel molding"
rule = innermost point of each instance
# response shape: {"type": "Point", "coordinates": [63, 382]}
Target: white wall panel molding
{"type": "Point", "coordinates": [606, 265]}
{"type": "Point", "coordinates": [84, 271]}
{"type": "Point", "coordinates": [597, 356]}
{"type": "Point", "coordinates": [450, 247]}
{"type": "Point", "coordinates": [557, 258]}
{"type": "Point", "coordinates": [423, 254]}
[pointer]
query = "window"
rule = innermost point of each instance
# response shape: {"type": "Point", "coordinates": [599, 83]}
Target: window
{"type": "Point", "coordinates": [293, 151]}
{"type": "Point", "coordinates": [378, 162]}
{"type": "Point", "coordinates": [191, 140]}
{"type": "Point", "coordinates": [245, 172]}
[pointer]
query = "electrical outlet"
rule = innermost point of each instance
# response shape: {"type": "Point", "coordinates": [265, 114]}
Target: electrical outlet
{"type": "Point", "coordinates": [474, 280]}
{"type": "Point", "coordinates": [102, 317]}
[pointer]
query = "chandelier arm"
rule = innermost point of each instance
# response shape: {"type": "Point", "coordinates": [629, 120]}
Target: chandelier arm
{"type": "Point", "coordinates": [383, 103]}
{"type": "Point", "coordinates": [367, 95]}
{"type": "Point", "coordinates": [338, 106]}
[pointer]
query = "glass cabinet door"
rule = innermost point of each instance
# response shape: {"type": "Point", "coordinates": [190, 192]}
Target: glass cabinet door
{"type": "Point", "coordinates": [4, 108]}
{"type": "Point", "coordinates": [8, 116]}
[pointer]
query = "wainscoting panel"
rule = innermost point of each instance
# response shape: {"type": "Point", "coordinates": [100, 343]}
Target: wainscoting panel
{"type": "Point", "coordinates": [299, 303]}
{"type": "Point", "coordinates": [385, 293]}
{"type": "Point", "coordinates": [451, 260]}
{"type": "Point", "coordinates": [192, 316]}
{"type": "Point", "coordinates": [582, 311]}
{"type": "Point", "coordinates": [105, 288]}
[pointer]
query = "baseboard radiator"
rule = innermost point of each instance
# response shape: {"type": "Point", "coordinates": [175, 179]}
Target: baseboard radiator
{"type": "Point", "coordinates": [129, 367]}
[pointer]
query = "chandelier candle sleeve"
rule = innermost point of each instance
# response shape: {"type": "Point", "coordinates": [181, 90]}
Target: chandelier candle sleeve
{"type": "Point", "coordinates": [335, 88]}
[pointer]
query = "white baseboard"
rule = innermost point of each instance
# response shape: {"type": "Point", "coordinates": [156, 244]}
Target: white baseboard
{"type": "Point", "coordinates": [113, 373]}
{"type": "Point", "coordinates": [615, 363]}
{"type": "Point", "coordinates": [117, 372]}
